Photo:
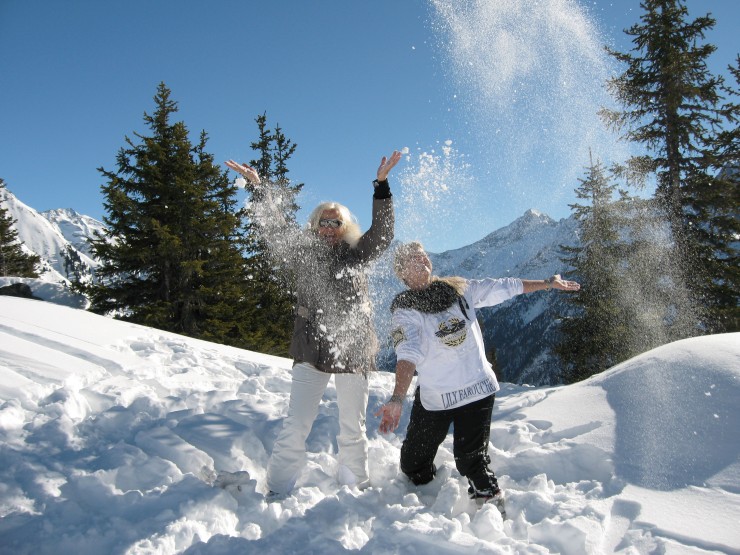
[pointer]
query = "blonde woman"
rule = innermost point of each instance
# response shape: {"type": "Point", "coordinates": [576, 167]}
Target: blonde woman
{"type": "Point", "coordinates": [333, 333]}
{"type": "Point", "coordinates": [436, 335]}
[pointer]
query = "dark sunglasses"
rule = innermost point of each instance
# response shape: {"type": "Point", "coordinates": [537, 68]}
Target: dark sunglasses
{"type": "Point", "coordinates": [330, 223]}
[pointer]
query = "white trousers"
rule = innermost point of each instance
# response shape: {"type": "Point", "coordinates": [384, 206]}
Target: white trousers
{"type": "Point", "coordinates": [289, 451]}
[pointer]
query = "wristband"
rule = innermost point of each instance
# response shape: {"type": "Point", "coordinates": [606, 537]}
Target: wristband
{"type": "Point", "coordinates": [396, 399]}
{"type": "Point", "coordinates": [382, 189]}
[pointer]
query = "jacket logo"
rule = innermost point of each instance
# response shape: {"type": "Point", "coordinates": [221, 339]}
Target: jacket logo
{"type": "Point", "coordinates": [397, 336]}
{"type": "Point", "coordinates": [452, 332]}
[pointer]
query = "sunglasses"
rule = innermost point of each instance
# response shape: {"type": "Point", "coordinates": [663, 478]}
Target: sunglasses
{"type": "Point", "coordinates": [330, 223]}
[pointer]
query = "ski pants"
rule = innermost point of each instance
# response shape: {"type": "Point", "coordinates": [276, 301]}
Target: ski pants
{"type": "Point", "coordinates": [289, 451]}
{"type": "Point", "coordinates": [472, 428]}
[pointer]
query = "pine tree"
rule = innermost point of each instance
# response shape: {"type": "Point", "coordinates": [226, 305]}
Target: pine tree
{"type": "Point", "coordinates": [280, 151]}
{"type": "Point", "coordinates": [671, 105]}
{"type": "Point", "coordinates": [271, 285]}
{"type": "Point", "coordinates": [597, 336]}
{"type": "Point", "coordinates": [167, 257]}
{"type": "Point", "coordinates": [224, 286]}
{"type": "Point", "coordinates": [628, 302]}
{"type": "Point", "coordinates": [714, 201]}
{"type": "Point", "coordinates": [273, 282]}
{"type": "Point", "coordinates": [13, 260]}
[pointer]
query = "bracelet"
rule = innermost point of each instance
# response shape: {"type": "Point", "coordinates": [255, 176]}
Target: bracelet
{"type": "Point", "coordinates": [548, 283]}
{"type": "Point", "coordinates": [396, 399]}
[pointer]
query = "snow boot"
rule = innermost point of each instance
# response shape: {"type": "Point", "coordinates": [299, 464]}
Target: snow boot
{"type": "Point", "coordinates": [497, 499]}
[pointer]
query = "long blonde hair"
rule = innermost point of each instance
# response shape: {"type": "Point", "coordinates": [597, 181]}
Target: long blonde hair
{"type": "Point", "coordinates": [404, 250]}
{"type": "Point", "coordinates": [351, 229]}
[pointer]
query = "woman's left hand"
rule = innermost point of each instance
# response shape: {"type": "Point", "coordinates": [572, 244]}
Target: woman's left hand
{"type": "Point", "coordinates": [386, 165]}
{"type": "Point", "coordinates": [564, 285]}
{"type": "Point", "coordinates": [248, 172]}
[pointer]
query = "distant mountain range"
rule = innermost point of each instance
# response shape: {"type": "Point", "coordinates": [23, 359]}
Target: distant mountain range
{"type": "Point", "coordinates": [522, 330]}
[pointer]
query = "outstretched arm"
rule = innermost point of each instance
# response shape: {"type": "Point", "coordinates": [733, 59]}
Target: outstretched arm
{"type": "Point", "coordinates": [390, 413]}
{"type": "Point", "coordinates": [553, 282]}
{"type": "Point", "coordinates": [247, 172]}
{"type": "Point", "coordinates": [283, 238]}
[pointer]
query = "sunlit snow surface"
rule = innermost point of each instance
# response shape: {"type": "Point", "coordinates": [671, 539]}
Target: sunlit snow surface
{"type": "Point", "coordinates": [112, 435]}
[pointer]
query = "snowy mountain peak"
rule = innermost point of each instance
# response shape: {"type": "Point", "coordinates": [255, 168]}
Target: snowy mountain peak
{"type": "Point", "coordinates": [75, 227]}
{"type": "Point", "coordinates": [529, 221]}
{"type": "Point", "coordinates": [59, 242]}
{"type": "Point", "coordinates": [516, 249]}
{"type": "Point", "coordinates": [534, 213]}
{"type": "Point", "coordinates": [62, 213]}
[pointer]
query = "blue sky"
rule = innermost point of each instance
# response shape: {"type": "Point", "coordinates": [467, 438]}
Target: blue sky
{"type": "Point", "coordinates": [491, 129]}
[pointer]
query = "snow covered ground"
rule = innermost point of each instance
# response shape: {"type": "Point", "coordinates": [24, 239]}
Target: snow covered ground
{"type": "Point", "coordinates": [111, 435]}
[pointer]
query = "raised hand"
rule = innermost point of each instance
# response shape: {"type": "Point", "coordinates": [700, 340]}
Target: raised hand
{"type": "Point", "coordinates": [248, 172]}
{"type": "Point", "coordinates": [386, 165]}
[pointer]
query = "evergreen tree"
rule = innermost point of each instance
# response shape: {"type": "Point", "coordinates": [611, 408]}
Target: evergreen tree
{"type": "Point", "coordinates": [629, 302]}
{"type": "Point", "coordinates": [660, 308]}
{"type": "Point", "coordinates": [167, 257]}
{"type": "Point", "coordinates": [224, 284]}
{"type": "Point", "coordinates": [13, 260]}
{"type": "Point", "coordinates": [671, 106]}
{"type": "Point", "coordinates": [714, 200]}
{"type": "Point", "coordinates": [74, 268]}
{"type": "Point", "coordinates": [597, 336]}
{"type": "Point", "coordinates": [271, 285]}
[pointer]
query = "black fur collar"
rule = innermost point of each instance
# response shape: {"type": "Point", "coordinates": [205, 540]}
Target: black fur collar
{"type": "Point", "coordinates": [439, 296]}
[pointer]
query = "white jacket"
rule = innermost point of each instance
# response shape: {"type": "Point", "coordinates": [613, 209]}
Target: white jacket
{"type": "Point", "coordinates": [447, 347]}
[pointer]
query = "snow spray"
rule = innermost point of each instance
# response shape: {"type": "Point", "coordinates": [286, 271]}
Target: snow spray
{"type": "Point", "coordinates": [436, 188]}
{"type": "Point", "coordinates": [529, 79]}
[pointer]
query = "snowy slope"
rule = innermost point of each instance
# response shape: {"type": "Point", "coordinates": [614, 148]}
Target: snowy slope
{"type": "Point", "coordinates": [111, 435]}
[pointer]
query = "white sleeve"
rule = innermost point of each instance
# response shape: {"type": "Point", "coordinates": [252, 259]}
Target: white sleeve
{"type": "Point", "coordinates": [492, 291]}
{"type": "Point", "coordinates": [406, 336]}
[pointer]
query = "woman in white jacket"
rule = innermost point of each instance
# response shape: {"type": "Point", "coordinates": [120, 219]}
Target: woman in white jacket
{"type": "Point", "coordinates": [436, 335]}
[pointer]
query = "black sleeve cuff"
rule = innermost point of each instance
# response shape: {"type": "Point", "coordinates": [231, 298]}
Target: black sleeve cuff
{"type": "Point", "coordinates": [382, 189]}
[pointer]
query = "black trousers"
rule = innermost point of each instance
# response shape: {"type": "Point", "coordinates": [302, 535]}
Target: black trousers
{"type": "Point", "coordinates": [472, 428]}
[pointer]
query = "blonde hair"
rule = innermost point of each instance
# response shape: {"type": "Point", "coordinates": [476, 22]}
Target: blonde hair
{"type": "Point", "coordinates": [350, 228]}
{"type": "Point", "coordinates": [405, 250]}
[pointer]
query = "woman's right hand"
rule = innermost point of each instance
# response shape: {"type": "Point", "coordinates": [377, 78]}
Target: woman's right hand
{"type": "Point", "coordinates": [391, 416]}
{"type": "Point", "coordinates": [387, 164]}
{"type": "Point", "coordinates": [247, 172]}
